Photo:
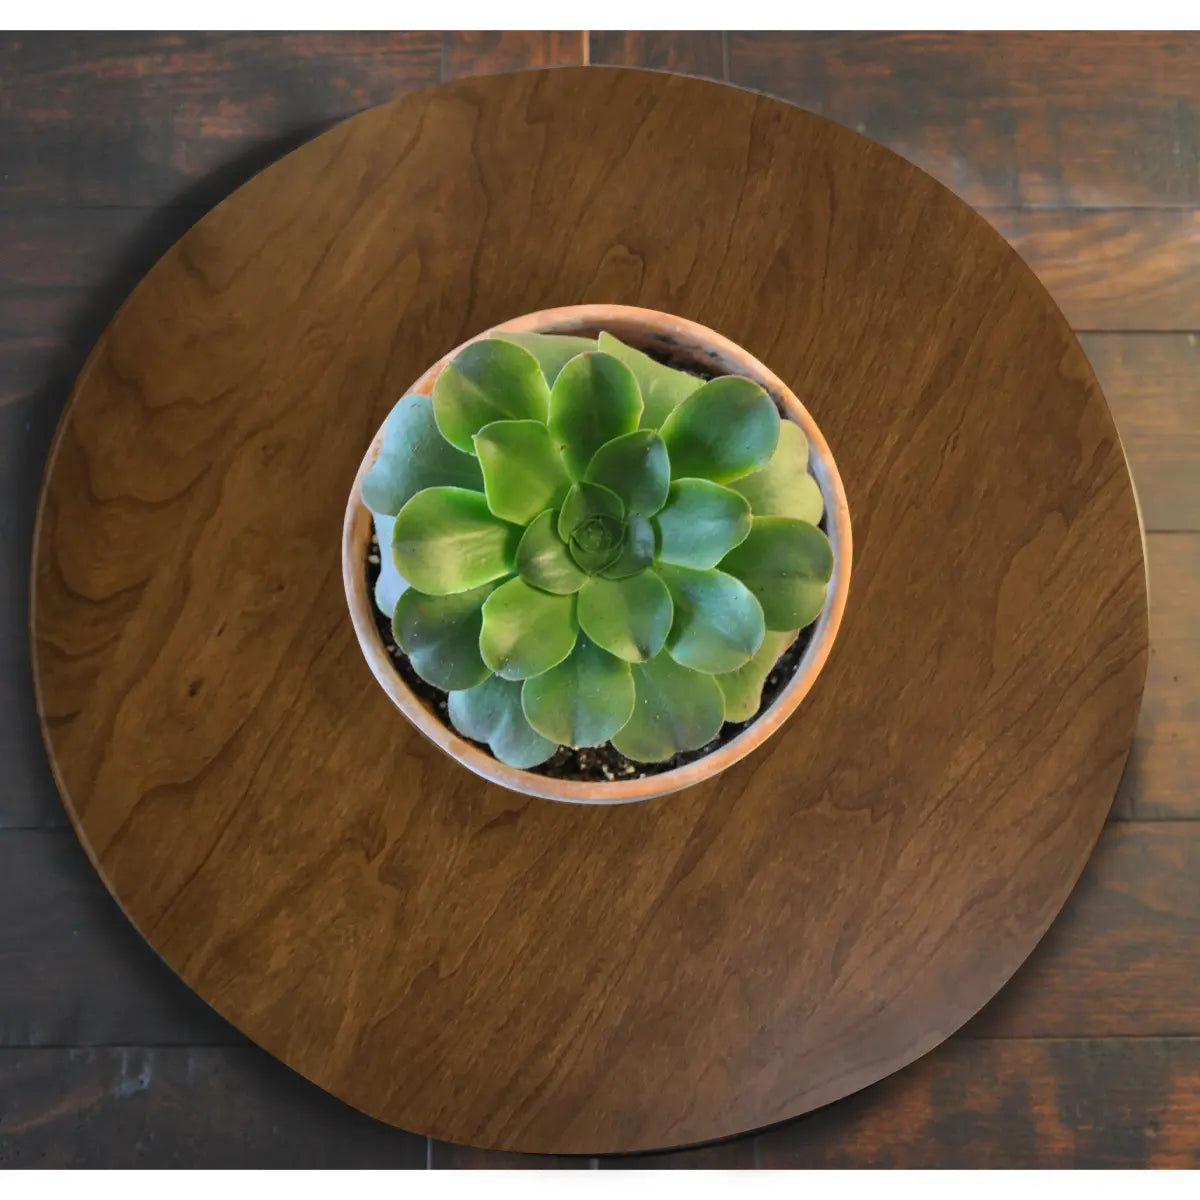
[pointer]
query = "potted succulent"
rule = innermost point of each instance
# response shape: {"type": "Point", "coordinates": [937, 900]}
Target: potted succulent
{"type": "Point", "coordinates": [597, 553]}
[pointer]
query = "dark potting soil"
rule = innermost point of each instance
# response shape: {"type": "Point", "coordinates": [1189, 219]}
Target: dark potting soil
{"type": "Point", "coordinates": [596, 764]}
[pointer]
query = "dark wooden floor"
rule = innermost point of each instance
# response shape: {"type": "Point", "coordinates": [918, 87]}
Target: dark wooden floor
{"type": "Point", "coordinates": [1083, 149]}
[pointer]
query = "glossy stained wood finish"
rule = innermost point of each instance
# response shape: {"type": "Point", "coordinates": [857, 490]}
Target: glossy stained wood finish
{"type": "Point", "coordinates": [619, 979]}
{"type": "Point", "coordinates": [1080, 147]}
{"type": "Point", "coordinates": [1119, 961]}
{"type": "Point", "coordinates": [78, 976]}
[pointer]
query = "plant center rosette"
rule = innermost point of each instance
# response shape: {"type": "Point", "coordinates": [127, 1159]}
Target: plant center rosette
{"type": "Point", "coordinates": [581, 545]}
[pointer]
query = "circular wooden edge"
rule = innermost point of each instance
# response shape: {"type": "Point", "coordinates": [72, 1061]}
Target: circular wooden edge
{"type": "Point", "coordinates": [815, 1099]}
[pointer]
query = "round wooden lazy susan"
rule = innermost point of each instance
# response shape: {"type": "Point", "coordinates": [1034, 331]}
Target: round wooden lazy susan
{"type": "Point", "coordinates": [489, 968]}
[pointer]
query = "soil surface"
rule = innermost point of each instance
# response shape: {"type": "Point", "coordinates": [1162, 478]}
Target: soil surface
{"type": "Point", "coordinates": [598, 763]}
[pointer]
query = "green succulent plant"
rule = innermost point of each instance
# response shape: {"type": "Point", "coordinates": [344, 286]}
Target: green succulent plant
{"type": "Point", "coordinates": [581, 545]}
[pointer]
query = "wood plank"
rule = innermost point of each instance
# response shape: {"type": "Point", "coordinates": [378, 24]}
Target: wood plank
{"type": "Point", "coordinates": [213, 1107]}
{"type": "Point", "coordinates": [736, 1155]}
{"type": "Point", "coordinates": [1152, 383]}
{"type": "Point", "coordinates": [28, 797]}
{"type": "Point", "coordinates": [1013, 1104]}
{"type": "Point", "coordinates": [147, 119]}
{"type": "Point", "coordinates": [1162, 779]}
{"type": "Point", "coordinates": [1113, 269]}
{"type": "Point", "coordinates": [27, 793]}
{"type": "Point", "coordinates": [471, 52]}
{"type": "Point", "coordinates": [1092, 119]}
{"type": "Point", "coordinates": [73, 970]}
{"type": "Point", "coordinates": [449, 1156]}
{"type": "Point", "coordinates": [1123, 957]}
{"type": "Point", "coordinates": [85, 248]}
{"type": "Point", "coordinates": [697, 52]}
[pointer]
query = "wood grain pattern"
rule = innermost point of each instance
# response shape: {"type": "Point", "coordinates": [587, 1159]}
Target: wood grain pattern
{"type": "Point", "coordinates": [72, 970]}
{"type": "Point", "coordinates": [148, 119]}
{"type": "Point", "coordinates": [1113, 269]}
{"type": "Point", "coordinates": [1079, 119]}
{"type": "Point", "coordinates": [698, 52]}
{"type": "Point", "coordinates": [1120, 960]}
{"type": "Point", "coordinates": [1164, 765]}
{"type": "Point", "coordinates": [100, 251]}
{"type": "Point", "coordinates": [335, 886]}
{"type": "Point", "coordinates": [217, 1107]}
{"type": "Point", "coordinates": [1048, 1104]}
{"type": "Point", "coordinates": [1150, 381]}
{"type": "Point", "coordinates": [481, 53]}
{"type": "Point", "coordinates": [28, 798]}
{"type": "Point", "coordinates": [1152, 384]}
{"type": "Point", "coordinates": [1123, 957]}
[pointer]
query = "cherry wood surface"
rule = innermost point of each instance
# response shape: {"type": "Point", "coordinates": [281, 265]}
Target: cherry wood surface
{"type": "Point", "coordinates": [474, 965]}
{"type": "Point", "coordinates": [1080, 1061]}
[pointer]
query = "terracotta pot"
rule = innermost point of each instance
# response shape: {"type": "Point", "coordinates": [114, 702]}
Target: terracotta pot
{"type": "Point", "coordinates": [683, 341]}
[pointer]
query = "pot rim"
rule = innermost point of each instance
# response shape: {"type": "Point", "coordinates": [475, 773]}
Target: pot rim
{"type": "Point", "coordinates": [641, 326]}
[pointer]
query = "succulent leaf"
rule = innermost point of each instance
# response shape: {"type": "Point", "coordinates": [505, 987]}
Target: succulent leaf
{"type": "Point", "coordinates": [637, 549]}
{"type": "Point", "coordinates": [634, 466]}
{"type": "Point", "coordinates": [584, 503]}
{"type": "Point", "coordinates": [526, 631]}
{"type": "Point", "coordinates": [591, 522]}
{"type": "Point", "coordinates": [584, 700]}
{"type": "Point", "coordinates": [594, 399]}
{"type": "Point", "coordinates": [718, 623]}
{"type": "Point", "coordinates": [447, 540]}
{"type": "Point", "coordinates": [523, 474]}
{"type": "Point", "coordinates": [544, 561]}
{"type": "Point", "coordinates": [675, 709]}
{"type": "Point", "coordinates": [491, 712]}
{"type": "Point", "coordinates": [725, 429]}
{"type": "Point", "coordinates": [700, 523]}
{"type": "Point", "coordinates": [552, 350]}
{"type": "Point", "coordinates": [743, 687]}
{"type": "Point", "coordinates": [414, 456]}
{"type": "Point", "coordinates": [598, 546]}
{"type": "Point", "coordinates": [583, 545]}
{"type": "Point", "coordinates": [627, 617]}
{"type": "Point", "coordinates": [662, 387]}
{"type": "Point", "coordinates": [784, 488]}
{"type": "Point", "coordinates": [488, 381]}
{"type": "Point", "coordinates": [390, 584]}
{"type": "Point", "coordinates": [787, 564]}
{"type": "Point", "coordinates": [440, 635]}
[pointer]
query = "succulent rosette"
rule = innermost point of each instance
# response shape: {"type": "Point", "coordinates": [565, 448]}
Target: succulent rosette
{"type": "Point", "coordinates": [582, 545]}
